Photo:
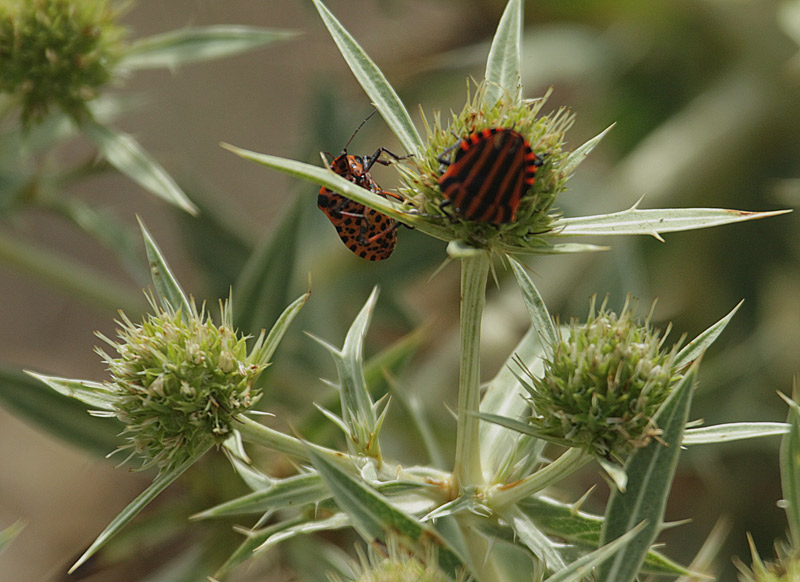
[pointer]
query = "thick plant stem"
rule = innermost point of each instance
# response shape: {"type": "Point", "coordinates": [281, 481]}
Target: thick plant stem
{"type": "Point", "coordinates": [501, 496]}
{"type": "Point", "coordinates": [486, 567]}
{"type": "Point", "coordinates": [258, 434]}
{"type": "Point", "coordinates": [474, 272]}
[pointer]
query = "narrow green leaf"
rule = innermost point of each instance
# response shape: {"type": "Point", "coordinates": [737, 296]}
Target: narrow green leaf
{"type": "Point", "coordinates": [321, 176]}
{"type": "Point", "coordinates": [458, 505]}
{"type": "Point", "coordinates": [790, 470]}
{"type": "Point", "coordinates": [375, 518]}
{"type": "Point", "coordinates": [181, 47]}
{"type": "Point", "coordinates": [540, 316]}
{"type": "Point", "coordinates": [550, 249]}
{"type": "Point", "coordinates": [521, 427]}
{"type": "Point", "coordinates": [504, 495]}
{"type": "Point", "coordinates": [100, 224]}
{"type": "Point", "coordinates": [654, 221]}
{"type": "Point", "coordinates": [357, 406]}
{"type": "Point", "coordinates": [579, 154]}
{"type": "Point", "coordinates": [700, 344]}
{"type": "Point", "coordinates": [258, 434]}
{"type": "Point", "coordinates": [160, 483]}
{"type": "Point", "coordinates": [582, 529]}
{"type": "Point", "coordinates": [325, 177]}
{"type": "Point", "coordinates": [280, 326]}
{"type": "Point", "coordinates": [537, 542]}
{"type": "Point", "coordinates": [355, 396]}
{"type": "Point", "coordinates": [253, 478]}
{"type": "Point", "coordinates": [260, 541]}
{"type": "Point", "coordinates": [168, 289]}
{"type": "Point", "coordinates": [503, 451]}
{"type": "Point", "coordinates": [789, 19]}
{"type": "Point", "coordinates": [582, 567]}
{"type": "Point", "coordinates": [650, 472]}
{"type": "Point", "coordinates": [503, 65]}
{"type": "Point", "coordinates": [262, 289]}
{"type": "Point", "coordinates": [95, 394]}
{"type": "Point", "coordinates": [358, 411]}
{"type": "Point", "coordinates": [28, 395]}
{"type": "Point", "coordinates": [126, 155]}
{"type": "Point", "coordinates": [290, 492]}
{"type": "Point", "coordinates": [372, 80]}
{"type": "Point", "coordinates": [724, 433]}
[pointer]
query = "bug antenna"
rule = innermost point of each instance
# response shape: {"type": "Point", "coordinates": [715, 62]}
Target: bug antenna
{"type": "Point", "coordinates": [360, 125]}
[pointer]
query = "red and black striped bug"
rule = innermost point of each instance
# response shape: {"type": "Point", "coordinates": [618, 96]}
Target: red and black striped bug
{"type": "Point", "coordinates": [489, 174]}
{"type": "Point", "coordinates": [368, 233]}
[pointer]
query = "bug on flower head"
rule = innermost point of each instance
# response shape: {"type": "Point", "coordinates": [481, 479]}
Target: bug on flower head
{"type": "Point", "coordinates": [489, 174]}
{"type": "Point", "coordinates": [366, 232]}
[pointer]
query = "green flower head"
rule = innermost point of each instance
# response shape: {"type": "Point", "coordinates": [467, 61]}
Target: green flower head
{"type": "Point", "coordinates": [530, 221]}
{"type": "Point", "coordinates": [785, 568]}
{"type": "Point", "coordinates": [56, 53]}
{"type": "Point", "coordinates": [394, 563]}
{"type": "Point", "coordinates": [180, 381]}
{"type": "Point", "coordinates": [605, 381]}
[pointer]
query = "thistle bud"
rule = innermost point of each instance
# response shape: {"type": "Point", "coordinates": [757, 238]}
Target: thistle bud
{"type": "Point", "coordinates": [785, 568]}
{"type": "Point", "coordinates": [521, 191]}
{"type": "Point", "coordinates": [604, 383]}
{"type": "Point", "coordinates": [180, 380]}
{"type": "Point", "coordinates": [56, 53]}
{"type": "Point", "coordinates": [394, 563]}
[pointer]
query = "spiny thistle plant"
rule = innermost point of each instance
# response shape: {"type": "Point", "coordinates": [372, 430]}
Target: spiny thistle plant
{"type": "Point", "coordinates": [180, 380]}
{"type": "Point", "coordinates": [603, 384]}
{"type": "Point", "coordinates": [607, 390]}
{"type": "Point", "coordinates": [546, 134]}
{"type": "Point", "coordinates": [786, 565]}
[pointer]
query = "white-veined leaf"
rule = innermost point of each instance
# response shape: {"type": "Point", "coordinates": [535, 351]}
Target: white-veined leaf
{"type": "Point", "coordinates": [724, 433]}
{"type": "Point", "coordinates": [503, 65]}
{"type": "Point", "coordinates": [190, 45]}
{"type": "Point", "coordinates": [373, 81]}
{"type": "Point", "coordinates": [126, 154]}
{"type": "Point", "coordinates": [653, 222]}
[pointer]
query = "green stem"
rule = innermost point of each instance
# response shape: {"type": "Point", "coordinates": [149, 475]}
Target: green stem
{"type": "Point", "coordinates": [258, 434]}
{"type": "Point", "coordinates": [474, 272]}
{"type": "Point", "coordinates": [570, 461]}
{"type": "Point", "coordinates": [477, 548]}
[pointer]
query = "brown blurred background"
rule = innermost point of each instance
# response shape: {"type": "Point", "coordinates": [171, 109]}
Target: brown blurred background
{"type": "Point", "coordinates": [704, 95]}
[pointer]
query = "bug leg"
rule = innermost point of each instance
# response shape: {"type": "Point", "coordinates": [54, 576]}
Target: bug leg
{"type": "Point", "coordinates": [444, 204]}
{"type": "Point", "coordinates": [375, 158]}
{"type": "Point", "coordinates": [387, 194]}
{"type": "Point", "coordinates": [336, 208]}
{"type": "Point", "coordinates": [444, 157]}
{"type": "Point", "coordinates": [375, 237]}
{"type": "Point", "coordinates": [353, 215]}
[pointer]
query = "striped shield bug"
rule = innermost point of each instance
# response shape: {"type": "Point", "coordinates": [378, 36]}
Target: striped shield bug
{"type": "Point", "coordinates": [489, 174]}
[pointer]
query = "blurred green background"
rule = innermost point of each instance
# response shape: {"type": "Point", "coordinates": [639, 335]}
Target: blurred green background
{"type": "Point", "coordinates": [705, 95]}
